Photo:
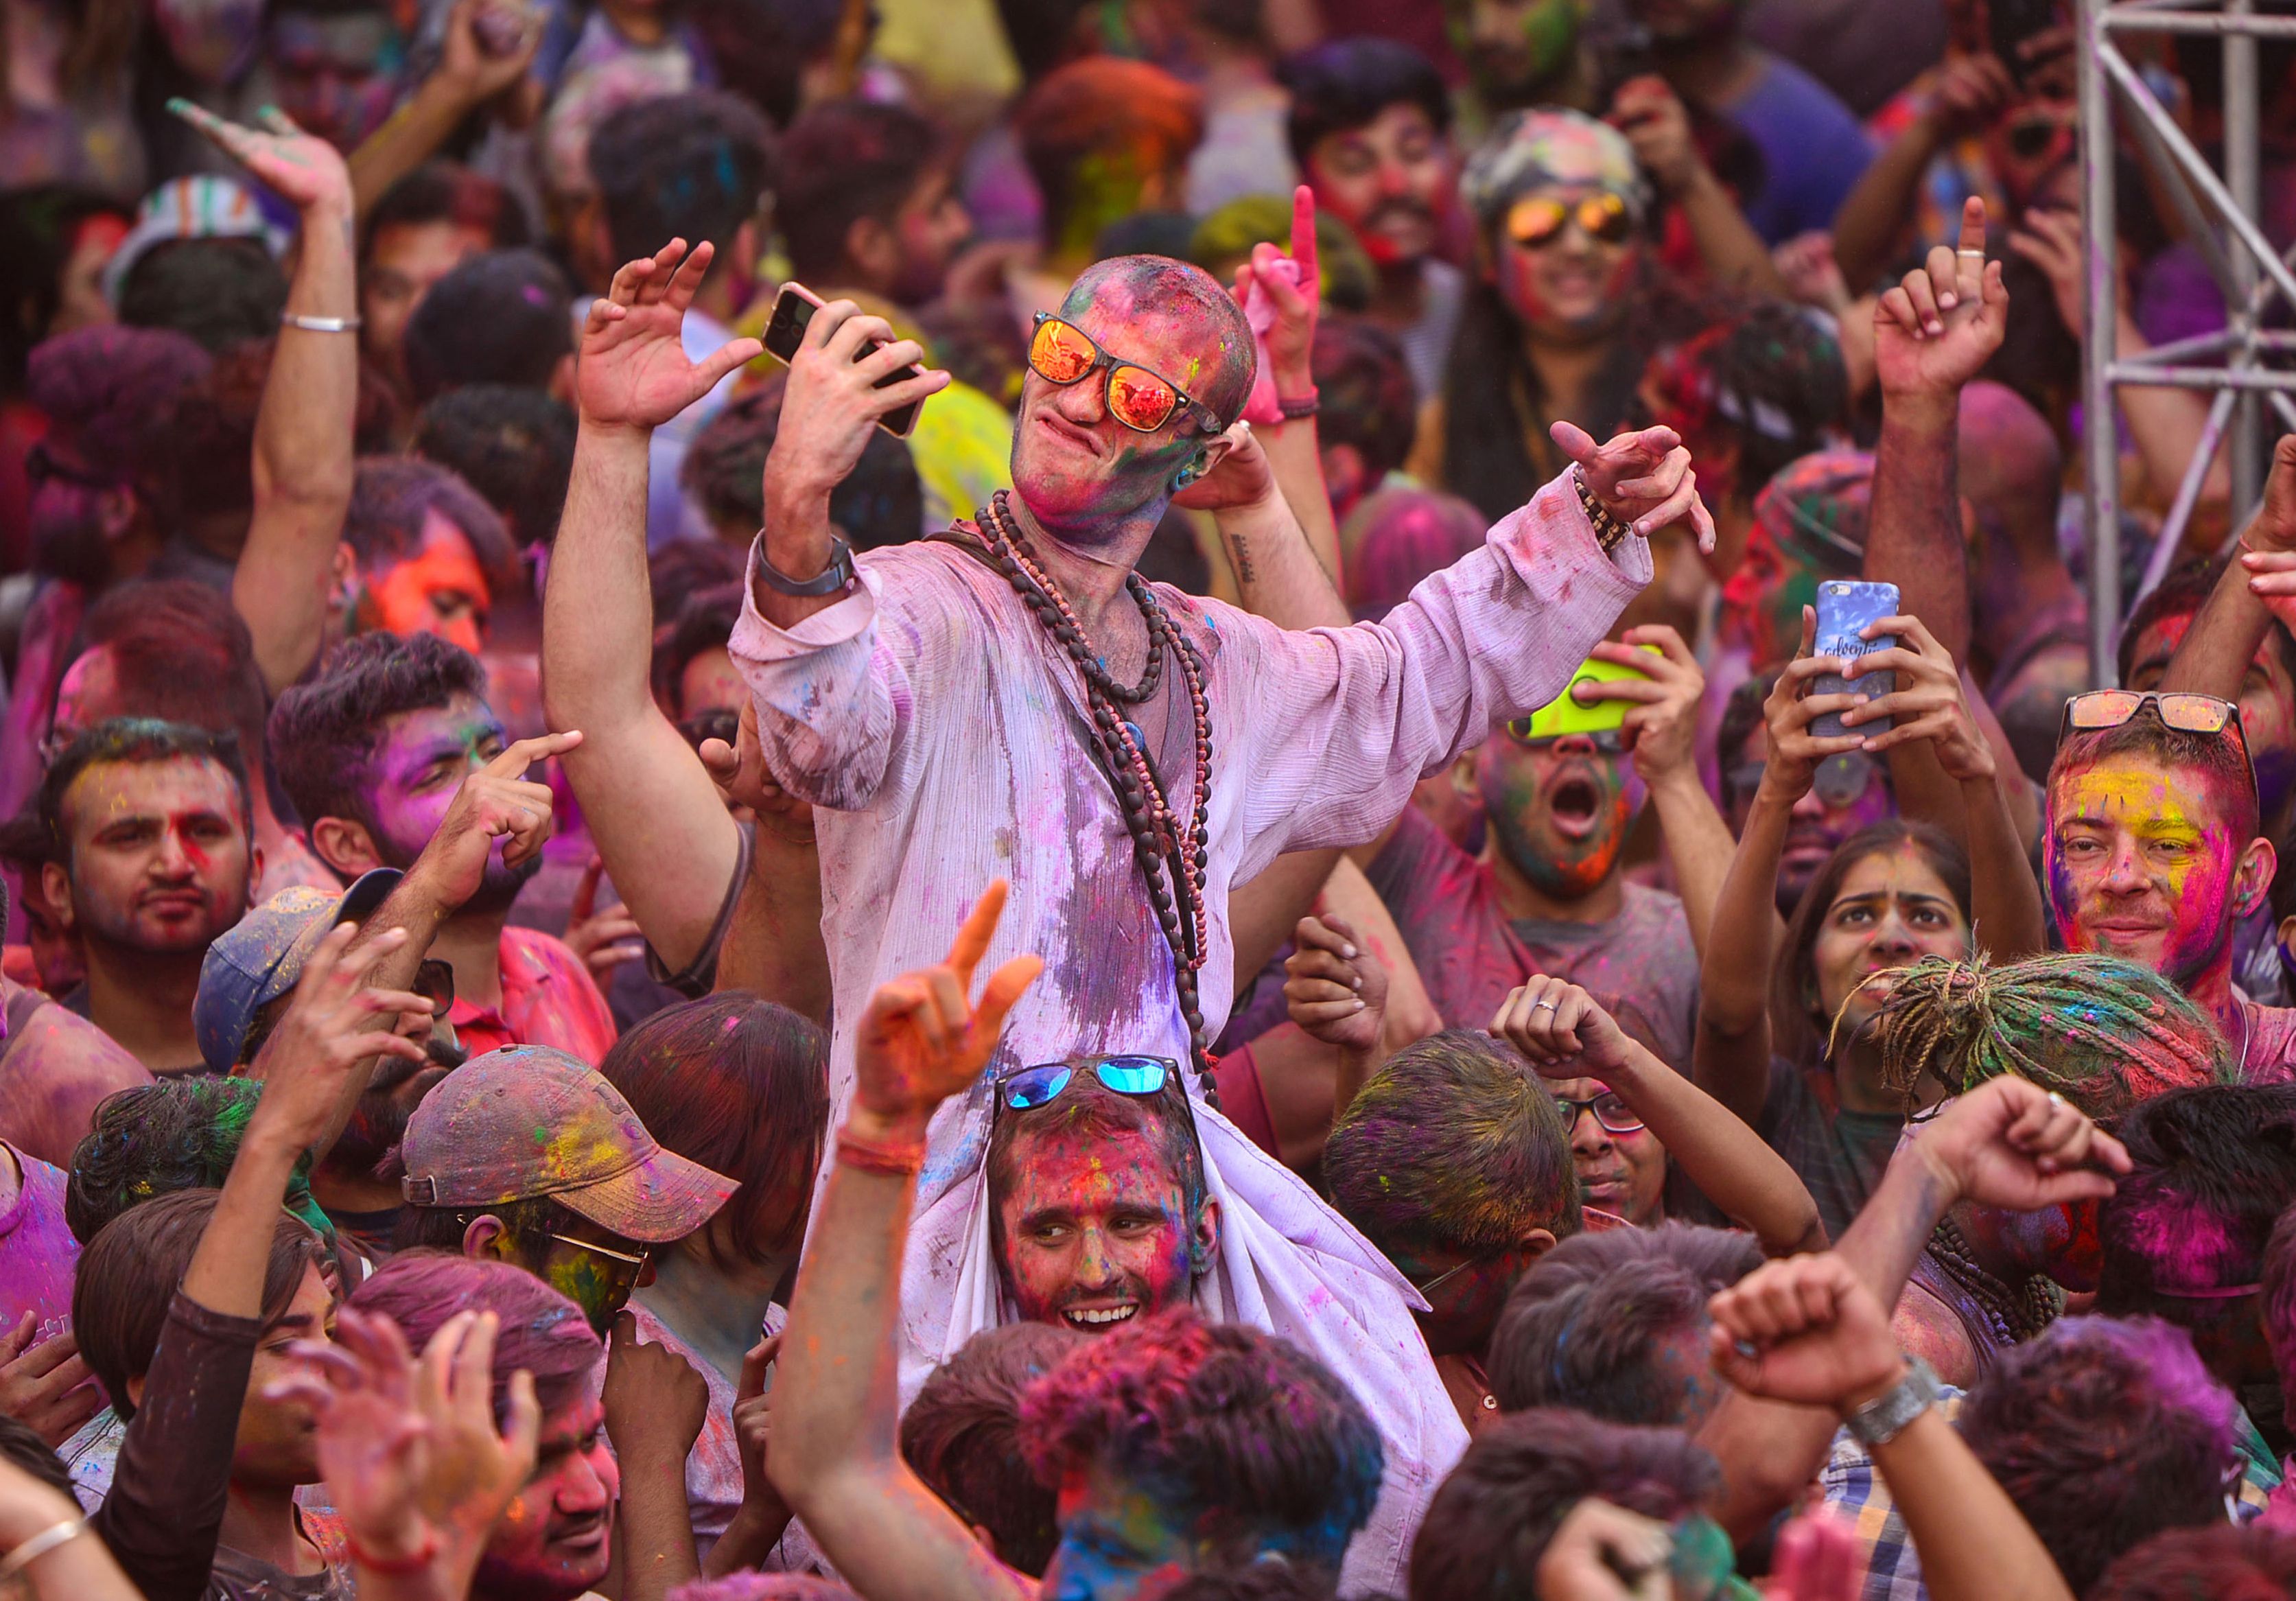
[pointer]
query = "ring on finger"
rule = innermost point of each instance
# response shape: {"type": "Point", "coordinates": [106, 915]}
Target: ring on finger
{"type": "Point", "coordinates": [1548, 1005]}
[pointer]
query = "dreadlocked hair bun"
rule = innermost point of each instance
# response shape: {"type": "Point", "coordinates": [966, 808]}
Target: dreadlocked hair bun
{"type": "Point", "coordinates": [2103, 1032]}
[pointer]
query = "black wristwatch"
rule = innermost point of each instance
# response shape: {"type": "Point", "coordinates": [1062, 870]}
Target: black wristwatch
{"type": "Point", "coordinates": [838, 575]}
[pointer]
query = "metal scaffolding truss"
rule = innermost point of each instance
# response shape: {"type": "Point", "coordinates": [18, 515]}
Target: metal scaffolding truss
{"type": "Point", "coordinates": [2240, 365]}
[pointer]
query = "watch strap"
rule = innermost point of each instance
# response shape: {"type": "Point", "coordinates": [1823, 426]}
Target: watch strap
{"type": "Point", "coordinates": [838, 575]}
{"type": "Point", "coordinates": [1887, 1415]}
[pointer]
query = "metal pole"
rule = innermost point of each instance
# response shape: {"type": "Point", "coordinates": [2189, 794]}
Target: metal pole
{"type": "Point", "coordinates": [2100, 465]}
{"type": "Point", "coordinates": [2240, 164]}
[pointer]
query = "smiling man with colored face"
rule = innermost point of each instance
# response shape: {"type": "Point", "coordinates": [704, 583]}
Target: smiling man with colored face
{"type": "Point", "coordinates": [156, 858]}
{"type": "Point", "coordinates": [949, 707]}
{"type": "Point", "coordinates": [2151, 853]}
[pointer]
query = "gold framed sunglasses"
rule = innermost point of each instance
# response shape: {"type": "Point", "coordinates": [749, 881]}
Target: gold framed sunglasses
{"type": "Point", "coordinates": [1537, 220]}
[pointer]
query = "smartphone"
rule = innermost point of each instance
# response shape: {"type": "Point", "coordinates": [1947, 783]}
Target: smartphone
{"type": "Point", "coordinates": [793, 309]}
{"type": "Point", "coordinates": [1844, 608]}
{"type": "Point", "coordinates": [1566, 714]}
{"type": "Point", "coordinates": [2009, 23]}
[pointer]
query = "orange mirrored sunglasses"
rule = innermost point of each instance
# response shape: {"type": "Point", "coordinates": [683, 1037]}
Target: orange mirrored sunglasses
{"type": "Point", "coordinates": [1536, 220]}
{"type": "Point", "coordinates": [1064, 354]}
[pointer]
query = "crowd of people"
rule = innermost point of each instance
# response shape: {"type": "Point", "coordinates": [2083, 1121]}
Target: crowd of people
{"type": "Point", "coordinates": [1182, 800]}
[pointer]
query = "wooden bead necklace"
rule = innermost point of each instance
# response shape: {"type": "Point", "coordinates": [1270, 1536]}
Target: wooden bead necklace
{"type": "Point", "coordinates": [1172, 859]}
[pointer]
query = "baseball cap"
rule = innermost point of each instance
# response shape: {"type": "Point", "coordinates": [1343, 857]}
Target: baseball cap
{"type": "Point", "coordinates": [262, 956]}
{"type": "Point", "coordinates": [526, 1121]}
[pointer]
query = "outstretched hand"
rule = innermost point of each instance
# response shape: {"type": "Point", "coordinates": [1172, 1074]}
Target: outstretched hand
{"type": "Point", "coordinates": [1792, 765]}
{"type": "Point", "coordinates": [303, 169]}
{"type": "Point", "coordinates": [331, 1028]}
{"type": "Point", "coordinates": [1642, 476]}
{"type": "Point", "coordinates": [1936, 330]}
{"type": "Point", "coordinates": [2273, 529]}
{"type": "Point", "coordinates": [922, 1040]}
{"type": "Point", "coordinates": [634, 371]}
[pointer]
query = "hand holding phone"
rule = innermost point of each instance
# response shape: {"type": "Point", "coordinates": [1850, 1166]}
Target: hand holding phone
{"type": "Point", "coordinates": [792, 314]}
{"type": "Point", "coordinates": [1845, 607]}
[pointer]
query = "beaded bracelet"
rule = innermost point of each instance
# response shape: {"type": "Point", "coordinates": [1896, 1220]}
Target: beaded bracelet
{"type": "Point", "coordinates": [904, 1160]}
{"type": "Point", "coordinates": [1610, 527]}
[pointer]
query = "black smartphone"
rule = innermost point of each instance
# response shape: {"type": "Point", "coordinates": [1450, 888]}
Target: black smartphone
{"type": "Point", "coordinates": [793, 309]}
{"type": "Point", "coordinates": [2009, 23]}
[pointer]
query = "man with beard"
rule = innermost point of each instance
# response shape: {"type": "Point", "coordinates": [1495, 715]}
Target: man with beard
{"type": "Point", "coordinates": [377, 752]}
{"type": "Point", "coordinates": [154, 857]}
{"type": "Point", "coordinates": [245, 986]}
{"type": "Point", "coordinates": [867, 204]}
{"type": "Point", "coordinates": [1370, 127]}
{"type": "Point", "coordinates": [1548, 893]}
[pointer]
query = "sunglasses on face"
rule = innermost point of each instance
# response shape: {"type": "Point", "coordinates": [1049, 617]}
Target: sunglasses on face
{"type": "Point", "coordinates": [2033, 137]}
{"type": "Point", "coordinates": [1029, 1087]}
{"type": "Point", "coordinates": [41, 465]}
{"type": "Point", "coordinates": [1537, 220]}
{"type": "Point", "coordinates": [434, 981]}
{"type": "Point", "coordinates": [1607, 742]}
{"type": "Point", "coordinates": [1064, 354]}
{"type": "Point", "coordinates": [1611, 1113]}
{"type": "Point", "coordinates": [608, 1252]}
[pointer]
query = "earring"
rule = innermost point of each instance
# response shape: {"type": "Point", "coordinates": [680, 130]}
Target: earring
{"type": "Point", "coordinates": [1185, 477]}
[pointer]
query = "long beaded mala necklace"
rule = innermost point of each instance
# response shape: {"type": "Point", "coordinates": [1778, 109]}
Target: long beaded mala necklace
{"type": "Point", "coordinates": [1172, 859]}
{"type": "Point", "coordinates": [2016, 1314]}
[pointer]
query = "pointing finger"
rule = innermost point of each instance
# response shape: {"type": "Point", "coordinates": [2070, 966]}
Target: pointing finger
{"type": "Point", "coordinates": [979, 927]}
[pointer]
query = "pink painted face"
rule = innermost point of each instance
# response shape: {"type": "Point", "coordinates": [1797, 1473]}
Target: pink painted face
{"type": "Point", "coordinates": [1389, 180]}
{"type": "Point", "coordinates": [1095, 1230]}
{"type": "Point", "coordinates": [2141, 863]}
{"type": "Point", "coordinates": [424, 757]}
{"type": "Point", "coordinates": [1621, 1171]}
{"type": "Point", "coordinates": [1892, 910]}
{"type": "Point", "coordinates": [1080, 470]}
{"type": "Point", "coordinates": [1573, 286]}
{"type": "Point", "coordinates": [1559, 810]}
{"type": "Point", "coordinates": [441, 589]}
{"type": "Point", "coordinates": [277, 1446]}
{"type": "Point", "coordinates": [551, 1544]}
{"type": "Point", "coordinates": [2267, 706]}
{"type": "Point", "coordinates": [159, 859]}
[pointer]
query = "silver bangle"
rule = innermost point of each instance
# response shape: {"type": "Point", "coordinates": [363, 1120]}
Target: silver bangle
{"type": "Point", "coordinates": [1889, 1414]}
{"type": "Point", "coordinates": [321, 324]}
{"type": "Point", "coordinates": [46, 1541]}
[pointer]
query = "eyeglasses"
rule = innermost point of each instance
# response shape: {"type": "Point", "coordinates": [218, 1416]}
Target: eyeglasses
{"type": "Point", "coordinates": [1064, 354]}
{"type": "Point", "coordinates": [1607, 742]}
{"type": "Point", "coordinates": [1611, 1113]}
{"type": "Point", "coordinates": [1536, 220]}
{"type": "Point", "coordinates": [2181, 709]}
{"type": "Point", "coordinates": [41, 464]}
{"type": "Point", "coordinates": [1839, 780]}
{"type": "Point", "coordinates": [608, 1252]}
{"type": "Point", "coordinates": [1428, 1289]}
{"type": "Point", "coordinates": [1029, 1087]}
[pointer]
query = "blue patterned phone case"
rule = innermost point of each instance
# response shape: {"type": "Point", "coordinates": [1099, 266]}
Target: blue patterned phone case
{"type": "Point", "coordinates": [1846, 606]}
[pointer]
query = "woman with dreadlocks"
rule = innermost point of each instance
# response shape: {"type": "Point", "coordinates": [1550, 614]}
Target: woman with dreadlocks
{"type": "Point", "coordinates": [2099, 1032]}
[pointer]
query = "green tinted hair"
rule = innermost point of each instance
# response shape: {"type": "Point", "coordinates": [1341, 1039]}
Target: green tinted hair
{"type": "Point", "coordinates": [2103, 1032]}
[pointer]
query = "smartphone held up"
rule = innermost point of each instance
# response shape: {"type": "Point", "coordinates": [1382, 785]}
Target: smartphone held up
{"type": "Point", "coordinates": [1845, 609]}
{"type": "Point", "coordinates": [793, 310]}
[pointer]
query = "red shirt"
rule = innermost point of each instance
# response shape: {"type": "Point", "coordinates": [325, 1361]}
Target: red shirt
{"type": "Point", "coordinates": [548, 998]}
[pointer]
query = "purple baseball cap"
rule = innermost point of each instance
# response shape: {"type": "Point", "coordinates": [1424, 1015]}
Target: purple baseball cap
{"type": "Point", "coordinates": [526, 1121]}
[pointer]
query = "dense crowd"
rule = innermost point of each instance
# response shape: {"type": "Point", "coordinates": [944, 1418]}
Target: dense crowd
{"type": "Point", "coordinates": [1195, 800]}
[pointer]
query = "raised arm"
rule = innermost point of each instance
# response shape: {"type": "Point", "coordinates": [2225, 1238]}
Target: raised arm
{"type": "Point", "coordinates": [469, 76]}
{"type": "Point", "coordinates": [303, 428]}
{"type": "Point", "coordinates": [2223, 640]}
{"type": "Point", "coordinates": [2004, 897]}
{"type": "Point", "coordinates": [1731, 1058]}
{"type": "Point", "coordinates": [835, 1457]}
{"type": "Point", "coordinates": [1932, 333]}
{"type": "Point", "coordinates": [658, 820]}
{"type": "Point", "coordinates": [2005, 1144]}
{"type": "Point", "coordinates": [1558, 1027]}
{"type": "Point", "coordinates": [1662, 726]}
{"type": "Point", "coordinates": [1969, 91]}
{"type": "Point", "coordinates": [1655, 123]}
{"type": "Point", "coordinates": [1810, 1331]}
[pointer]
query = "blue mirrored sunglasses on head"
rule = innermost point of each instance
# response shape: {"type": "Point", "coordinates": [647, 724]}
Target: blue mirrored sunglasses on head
{"type": "Point", "coordinates": [1029, 1087]}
